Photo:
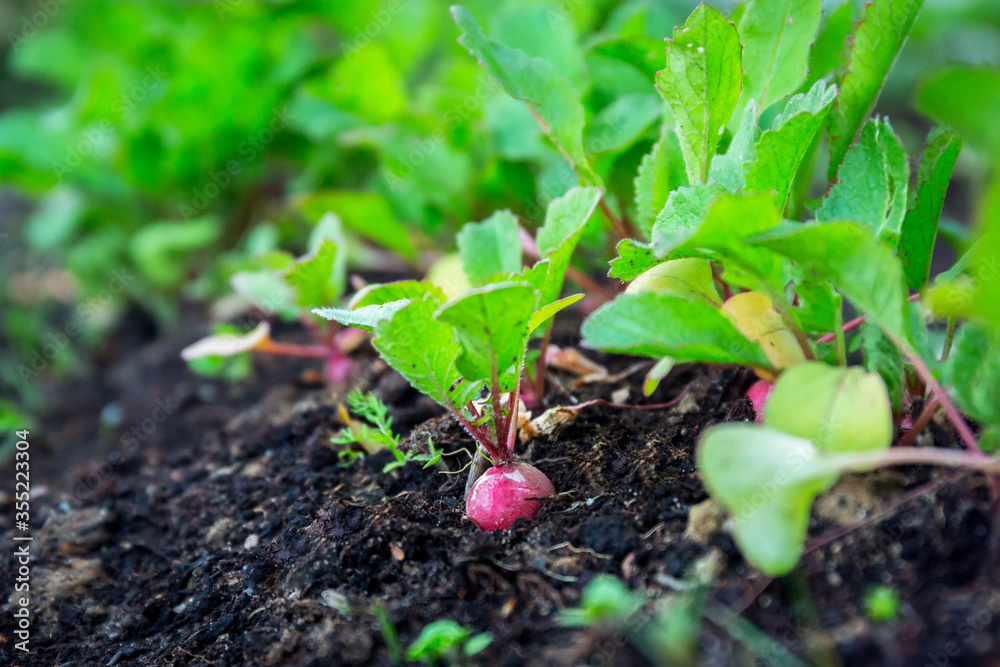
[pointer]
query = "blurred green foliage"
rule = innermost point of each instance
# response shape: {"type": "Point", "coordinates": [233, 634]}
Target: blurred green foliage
{"type": "Point", "coordinates": [151, 150]}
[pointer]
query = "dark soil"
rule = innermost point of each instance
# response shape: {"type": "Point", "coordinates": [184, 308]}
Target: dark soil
{"type": "Point", "coordinates": [230, 536]}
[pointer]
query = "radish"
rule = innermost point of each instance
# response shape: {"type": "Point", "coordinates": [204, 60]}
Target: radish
{"type": "Point", "coordinates": [506, 493]}
{"type": "Point", "coordinates": [758, 395]}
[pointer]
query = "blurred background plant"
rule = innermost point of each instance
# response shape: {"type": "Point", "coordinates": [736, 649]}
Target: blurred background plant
{"type": "Point", "coordinates": [150, 151]}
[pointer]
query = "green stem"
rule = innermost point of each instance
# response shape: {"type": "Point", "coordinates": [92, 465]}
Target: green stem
{"type": "Point", "coordinates": [475, 431]}
{"type": "Point", "coordinates": [541, 366]}
{"type": "Point", "coordinates": [949, 338]}
{"type": "Point", "coordinates": [918, 456]}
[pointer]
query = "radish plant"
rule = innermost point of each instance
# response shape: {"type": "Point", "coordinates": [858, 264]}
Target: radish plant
{"type": "Point", "coordinates": [472, 345]}
{"type": "Point", "coordinates": [288, 287]}
{"type": "Point", "coordinates": [719, 275]}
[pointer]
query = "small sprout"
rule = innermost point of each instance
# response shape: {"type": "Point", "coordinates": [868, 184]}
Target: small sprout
{"type": "Point", "coordinates": [447, 642]}
{"type": "Point", "coordinates": [372, 409]}
{"type": "Point", "coordinates": [606, 600]}
{"type": "Point", "coordinates": [283, 285]}
{"type": "Point", "coordinates": [882, 604]}
{"type": "Point", "coordinates": [659, 371]}
{"type": "Point", "coordinates": [389, 634]}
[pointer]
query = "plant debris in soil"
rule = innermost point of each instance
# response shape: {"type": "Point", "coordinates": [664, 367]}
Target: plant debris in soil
{"type": "Point", "coordinates": [232, 537]}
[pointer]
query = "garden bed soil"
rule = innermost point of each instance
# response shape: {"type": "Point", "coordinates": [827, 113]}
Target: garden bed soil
{"type": "Point", "coordinates": [229, 535]}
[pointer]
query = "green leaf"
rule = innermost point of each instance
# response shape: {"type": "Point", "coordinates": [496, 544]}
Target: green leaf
{"type": "Point", "coordinates": [644, 54]}
{"type": "Point", "coordinates": [538, 83]}
{"type": "Point", "coordinates": [437, 640]}
{"type": "Point", "coordinates": [424, 350]}
{"type": "Point", "coordinates": [314, 279]}
{"type": "Point", "coordinates": [837, 409]}
{"type": "Point", "coordinates": [367, 84]}
{"type": "Point", "coordinates": [161, 250]}
{"type": "Point", "coordinates": [448, 275]}
{"type": "Point", "coordinates": [878, 39]}
{"type": "Point", "coordinates": [549, 311]}
{"type": "Point", "coordinates": [861, 267]}
{"type": "Point", "coordinates": [605, 599]}
{"type": "Point", "coordinates": [921, 222]}
{"type": "Point", "coordinates": [539, 31]}
{"type": "Point", "coordinates": [373, 295]}
{"type": "Point", "coordinates": [827, 54]}
{"type": "Point", "coordinates": [557, 238]}
{"type": "Point", "coordinates": [657, 325]}
{"type": "Point", "coordinates": [690, 278]}
{"type": "Point", "coordinates": [366, 317]}
{"type": "Point", "coordinates": [776, 36]}
{"type": "Point", "coordinates": [974, 369]}
{"type": "Point", "coordinates": [872, 183]}
{"type": "Point", "coordinates": [767, 480]}
{"type": "Point", "coordinates": [490, 247]}
{"type": "Point", "coordinates": [621, 123]}
{"type": "Point", "coordinates": [781, 149]}
{"type": "Point", "coordinates": [492, 325]}
{"type": "Point", "coordinates": [634, 258]}
{"type": "Point", "coordinates": [883, 357]}
{"type": "Point", "coordinates": [683, 213]}
{"type": "Point", "coordinates": [476, 644]}
{"type": "Point", "coordinates": [702, 83]}
{"type": "Point", "coordinates": [330, 228]}
{"type": "Point", "coordinates": [56, 218]}
{"type": "Point", "coordinates": [957, 96]}
{"type": "Point", "coordinates": [729, 220]}
{"type": "Point", "coordinates": [728, 169]}
{"type": "Point", "coordinates": [365, 213]}
{"type": "Point", "coordinates": [660, 172]}
{"type": "Point", "coordinates": [265, 290]}
{"type": "Point", "coordinates": [974, 290]}
{"type": "Point", "coordinates": [819, 305]}
{"type": "Point", "coordinates": [659, 371]}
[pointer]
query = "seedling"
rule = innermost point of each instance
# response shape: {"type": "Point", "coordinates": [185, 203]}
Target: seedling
{"type": "Point", "coordinates": [882, 604]}
{"type": "Point", "coordinates": [445, 642]}
{"type": "Point", "coordinates": [456, 349]}
{"type": "Point", "coordinates": [372, 409]}
{"type": "Point", "coordinates": [606, 601]}
{"type": "Point", "coordinates": [287, 287]}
